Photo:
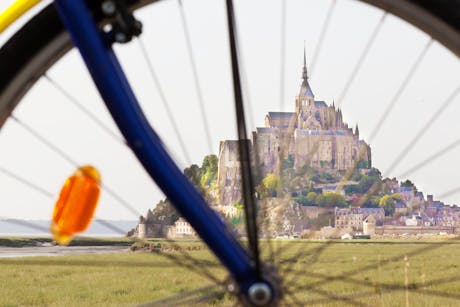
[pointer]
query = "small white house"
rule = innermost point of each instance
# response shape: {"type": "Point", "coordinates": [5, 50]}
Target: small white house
{"type": "Point", "coordinates": [415, 220]}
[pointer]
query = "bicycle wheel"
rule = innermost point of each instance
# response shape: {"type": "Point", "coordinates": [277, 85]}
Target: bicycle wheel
{"type": "Point", "coordinates": [42, 42]}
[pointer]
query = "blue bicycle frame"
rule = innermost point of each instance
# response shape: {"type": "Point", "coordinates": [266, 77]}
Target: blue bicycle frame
{"type": "Point", "coordinates": [115, 90]}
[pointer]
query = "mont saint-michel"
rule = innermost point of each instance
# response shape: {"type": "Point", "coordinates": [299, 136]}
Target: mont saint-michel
{"type": "Point", "coordinates": [315, 136]}
{"type": "Point", "coordinates": [314, 178]}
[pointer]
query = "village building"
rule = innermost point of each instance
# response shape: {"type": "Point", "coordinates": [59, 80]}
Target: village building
{"type": "Point", "coordinates": [400, 208]}
{"type": "Point", "coordinates": [181, 229]}
{"type": "Point", "coordinates": [147, 227]}
{"type": "Point", "coordinates": [353, 217]}
{"type": "Point", "coordinates": [369, 224]}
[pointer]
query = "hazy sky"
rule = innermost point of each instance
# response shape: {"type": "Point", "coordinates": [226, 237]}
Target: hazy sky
{"type": "Point", "coordinates": [391, 57]}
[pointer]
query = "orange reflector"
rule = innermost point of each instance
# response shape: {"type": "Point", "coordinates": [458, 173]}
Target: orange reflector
{"type": "Point", "coordinates": [76, 204]}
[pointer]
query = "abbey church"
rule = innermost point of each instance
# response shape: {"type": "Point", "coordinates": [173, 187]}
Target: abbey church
{"type": "Point", "coordinates": [314, 135]}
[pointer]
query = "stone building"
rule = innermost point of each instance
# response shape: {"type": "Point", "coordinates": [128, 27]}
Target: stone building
{"type": "Point", "coordinates": [228, 173]}
{"type": "Point", "coordinates": [313, 135]}
{"type": "Point", "coordinates": [181, 229]}
{"type": "Point", "coordinates": [369, 225]}
{"type": "Point", "coordinates": [148, 228]}
{"type": "Point", "coordinates": [354, 217]}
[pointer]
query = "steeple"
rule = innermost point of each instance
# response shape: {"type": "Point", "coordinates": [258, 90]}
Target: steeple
{"type": "Point", "coordinates": [357, 130]}
{"type": "Point", "coordinates": [305, 89]}
{"type": "Point", "coordinates": [304, 70]}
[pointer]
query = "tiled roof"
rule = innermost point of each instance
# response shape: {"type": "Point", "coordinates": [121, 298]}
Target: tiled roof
{"type": "Point", "coordinates": [322, 132]}
{"type": "Point", "coordinates": [305, 89]}
{"type": "Point", "coordinates": [265, 130]}
{"type": "Point", "coordinates": [281, 114]}
{"type": "Point", "coordinates": [320, 104]}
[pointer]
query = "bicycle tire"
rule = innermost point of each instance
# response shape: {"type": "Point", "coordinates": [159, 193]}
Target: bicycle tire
{"type": "Point", "coordinates": [43, 41]}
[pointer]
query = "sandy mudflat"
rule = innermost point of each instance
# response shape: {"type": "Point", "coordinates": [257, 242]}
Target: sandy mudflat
{"type": "Point", "coordinates": [9, 252]}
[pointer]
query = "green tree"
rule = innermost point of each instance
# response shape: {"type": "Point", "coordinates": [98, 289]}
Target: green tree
{"type": "Point", "coordinates": [193, 173]}
{"type": "Point", "coordinates": [271, 183]}
{"type": "Point", "coordinates": [303, 201]}
{"type": "Point", "coordinates": [262, 191]}
{"type": "Point", "coordinates": [165, 213]}
{"type": "Point", "coordinates": [330, 199]}
{"type": "Point", "coordinates": [362, 164]}
{"type": "Point", "coordinates": [375, 173]}
{"type": "Point", "coordinates": [311, 197]}
{"type": "Point", "coordinates": [356, 176]}
{"type": "Point", "coordinates": [205, 176]}
{"type": "Point", "coordinates": [349, 189]}
{"type": "Point", "coordinates": [373, 202]}
{"type": "Point", "coordinates": [408, 184]}
{"type": "Point", "coordinates": [269, 186]}
{"type": "Point", "coordinates": [309, 200]}
{"type": "Point", "coordinates": [387, 202]}
{"type": "Point", "coordinates": [327, 177]}
{"type": "Point", "coordinates": [288, 163]}
{"type": "Point", "coordinates": [209, 171]}
{"type": "Point", "coordinates": [365, 183]}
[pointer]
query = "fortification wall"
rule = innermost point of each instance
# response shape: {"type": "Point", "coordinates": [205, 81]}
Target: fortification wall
{"type": "Point", "coordinates": [390, 229]}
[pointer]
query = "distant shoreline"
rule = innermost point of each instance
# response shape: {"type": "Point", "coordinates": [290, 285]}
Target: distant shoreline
{"type": "Point", "coordinates": [48, 235]}
{"type": "Point", "coordinates": [39, 242]}
{"type": "Point", "coordinates": [53, 251]}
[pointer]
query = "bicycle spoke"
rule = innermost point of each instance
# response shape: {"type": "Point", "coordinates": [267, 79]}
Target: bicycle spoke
{"type": "Point", "coordinates": [44, 141]}
{"type": "Point", "coordinates": [430, 159]}
{"type": "Point", "coordinates": [110, 226]}
{"type": "Point", "coordinates": [84, 110]}
{"type": "Point", "coordinates": [361, 59]}
{"type": "Point", "coordinates": [350, 296]}
{"type": "Point", "coordinates": [307, 279]}
{"type": "Point", "coordinates": [293, 297]}
{"type": "Point", "coordinates": [204, 298]}
{"type": "Point", "coordinates": [282, 53]}
{"type": "Point", "coordinates": [350, 273]}
{"type": "Point", "coordinates": [449, 193]}
{"type": "Point", "coordinates": [51, 196]}
{"type": "Point", "coordinates": [193, 265]}
{"type": "Point", "coordinates": [71, 161]}
{"type": "Point", "coordinates": [316, 254]}
{"type": "Point", "coordinates": [349, 172]}
{"type": "Point", "coordinates": [199, 94]}
{"type": "Point", "coordinates": [400, 90]}
{"type": "Point", "coordinates": [422, 131]}
{"type": "Point", "coordinates": [322, 36]}
{"type": "Point", "coordinates": [164, 101]}
{"type": "Point", "coordinates": [331, 296]}
{"type": "Point", "coordinates": [26, 182]}
{"type": "Point", "coordinates": [419, 288]}
{"type": "Point", "coordinates": [245, 158]}
{"type": "Point", "coordinates": [415, 287]}
{"type": "Point", "coordinates": [428, 292]}
{"type": "Point", "coordinates": [24, 223]}
{"type": "Point", "coordinates": [36, 226]}
{"type": "Point", "coordinates": [310, 155]}
{"type": "Point", "coordinates": [182, 298]}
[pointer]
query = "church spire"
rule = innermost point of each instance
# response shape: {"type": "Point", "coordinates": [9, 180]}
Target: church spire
{"type": "Point", "coordinates": [305, 89]}
{"type": "Point", "coordinates": [304, 71]}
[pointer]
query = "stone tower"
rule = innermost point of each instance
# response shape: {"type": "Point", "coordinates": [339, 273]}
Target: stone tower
{"type": "Point", "coordinates": [305, 98]}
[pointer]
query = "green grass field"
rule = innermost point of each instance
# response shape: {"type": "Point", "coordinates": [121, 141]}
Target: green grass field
{"type": "Point", "coordinates": [392, 273]}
